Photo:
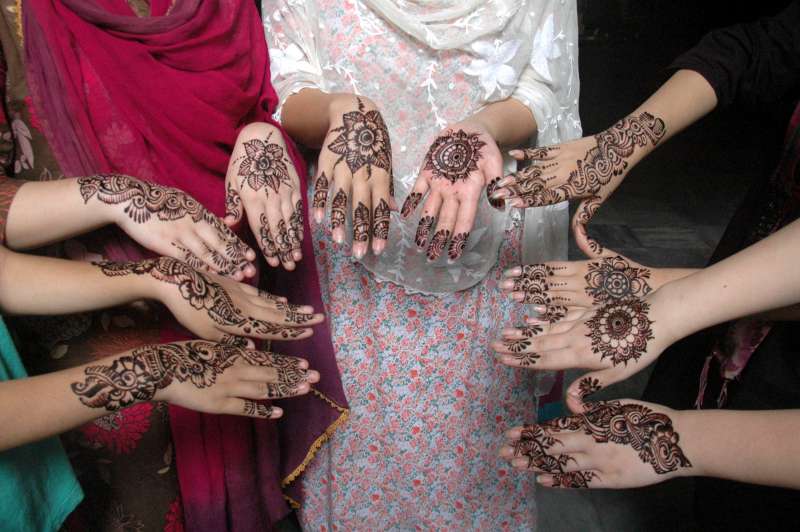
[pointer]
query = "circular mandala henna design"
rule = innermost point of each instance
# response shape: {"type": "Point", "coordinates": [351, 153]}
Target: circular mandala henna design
{"type": "Point", "coordinates": [423, 230]}
{"type": "Point", "coordinates": [620, 330]}
{"type": "Point", "coordinates": [363, 141]}
{"type": "Point", "coordinates": [614, 278]}
{"type": "Point", "coordinates": [454, 155]}
{"type": "Point", "coordinates": [361, 223]}
{"type": "Point", "coordinates": [264, 164]}
{"type": "Point", "coordinates": [380, 225]}
{"type": "Point", "coordinates": [437, 244]}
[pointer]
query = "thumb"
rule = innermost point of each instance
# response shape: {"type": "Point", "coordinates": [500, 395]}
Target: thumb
{"type": "Point", "coordinates": [586, 385]}
{"type": "Point", "coordinates": [233, 205]}
{"type": "Point", "coordinates": [583, 215]}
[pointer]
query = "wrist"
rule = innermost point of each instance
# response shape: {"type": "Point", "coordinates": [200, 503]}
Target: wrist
{"type": "Point", "coordinates": [687, 424]}
{"type": "Point", "coordinates": [665, 312]}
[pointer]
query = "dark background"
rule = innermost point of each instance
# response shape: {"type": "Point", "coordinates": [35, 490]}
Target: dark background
{"type": "Point", "coordinates": [672, 208]}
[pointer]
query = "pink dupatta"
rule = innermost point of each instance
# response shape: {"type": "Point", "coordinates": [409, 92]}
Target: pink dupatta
{"type": "Point", "coordinates": [163, 98]}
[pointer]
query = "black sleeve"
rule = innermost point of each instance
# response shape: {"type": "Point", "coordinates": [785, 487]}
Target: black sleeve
{"type": "Point", "coordinates": [754, 63]}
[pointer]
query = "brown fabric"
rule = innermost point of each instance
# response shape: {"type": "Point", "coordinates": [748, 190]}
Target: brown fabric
{"type": "Point", "coordinates": [124, 461]}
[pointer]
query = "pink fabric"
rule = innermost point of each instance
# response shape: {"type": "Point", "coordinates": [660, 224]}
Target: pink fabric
{"type": "Point", "coordinates": [162, 98]}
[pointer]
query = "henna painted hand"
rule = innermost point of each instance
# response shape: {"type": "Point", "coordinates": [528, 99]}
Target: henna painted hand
{"type": "Point", "coordinates": [615, 341]}
{"type": "Point", "coordinates": [169, 222]}
{"type": "Point", "coordinates": [263, 183]}
{"type": "Point", "coordinates": [612, 444]}
{"type": "Point", "coordinates": [356, 162]}
{"type": "Point", "coordinates": [589, 169]}
{"type": "Point", "coordinates": [226, 378]}
{"type": "Point", "coordinates": [213, 307]}
{"type": "Point", "coordinates": [462, 161]}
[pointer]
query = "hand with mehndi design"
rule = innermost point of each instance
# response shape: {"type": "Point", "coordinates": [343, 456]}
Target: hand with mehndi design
{"type": "Point", "coordinates": [614, 340]}
{"type": "Point", "coordinates": [263, 184]}
{"type": "Point", "coordinates": [224, 378]}
{"type": "Point", "coordinates": [584, 284]}
{"type": "Point", "coordinates": [169, 222]}
{"type": "Point", "coordinates": [215, 308]}
{"type": "Point", "coordinates": [461, 162]}
{"type": "Point", "coordinates": [611, 444]}
{"type": "Point", "coordinates": [589, 169]}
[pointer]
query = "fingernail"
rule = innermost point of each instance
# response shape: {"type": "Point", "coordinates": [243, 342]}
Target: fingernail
{"type": "Point", "coordinates": [541, 309]}
{"type": "Point", "coordinates": [338, 235]}
{"type": "Point", "coordinates": [378, 246]}
{"type": "Point", "coordinates": [513, 272]}
{"type": "Point", "coordinates": [276, 412]}
{"type": "Point", "coordinates": [359, 251]}
{"type": "Point", "coordinates": [507, 284]}
{"type": "Point", "coordinates": [515, 153]}
{"type": "Point", "coordinates": [318, 215]}
{"type": "Point", "coordinates": [297, 255]}
{"type": "Point", "coordinates": [517, 296]}
{"type": "Point", "coordinates": [517, 203]}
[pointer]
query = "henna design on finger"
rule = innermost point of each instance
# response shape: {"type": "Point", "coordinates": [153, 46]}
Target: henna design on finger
{"type": "Point", "coordinates": [582, 219]}
{"type": "Point", "coordinates": [614, 278]}
{"type": "Point", "coordinates": [283, 243]}
{"type": "Point", "coordinates": [411, 203]}
{"type": "Point", "coordinates": [649, 433]}
{"type": "Point", "coordinates": [519, 346]}
{"type": "Point", "coordinates": [290, 376]}
{"type": "Point", "coordinates": [338, 209]}
{"type": "Point", "coordinates": [533, 444]}
{"type": "Point", "coordinates": [437, 243]}
{"type": "Point", "coordinates": [139, 375]}
{"type": "Point", "coordinates": [295, 228]}
{"type": "Point", "coordinates": [457, 245]}
{"type": "Point", "coordinates": [264, 164]}
{"type": "Point", "coordinates": [491, 188]}
{"type": "Point", "coordinates": [267, 244]}
{"type": "Point", "coordinates": [542, 152]}
{"type": "Point", "coordinates": [573, 479]}
{"type": "Point", "coordinates": [600, 164]}
{"type": "Point", "coordinates": [201, 293]}
{"type": "Point", "coordinates": [363, 141]}
{"type": "Point", "coordinates": [233, 201]}
{"type": "Point", "coordinates": [361, 223]}
{"type": "Point", "coordinates": [533, 282]}
{"type": "Point", "coordinates": [588, 386]}
{"type": "Point", "coordinates": [621, 330]}
{"type": "Point", "coordinates": [380, 223]}
{"type": "Point", "coordinates": [554, 314]}
{"type": "Point", "coordinates": [254, 409]}
{"type": "Point", "coordinates": [454, 155]}
{"type": "Point", "coordinates": [320, 192]}
{"type": "Point", "coordinates": [423, 230]}
{"type": "Point", "coordinates": [293, 314]}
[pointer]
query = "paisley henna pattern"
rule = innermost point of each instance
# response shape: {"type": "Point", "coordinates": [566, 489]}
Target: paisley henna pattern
{"type": "Point", "coordinates": [614, 278]}
{"type": "Point", "coordinates": [606, 160]}
{"type": "Point", "coordinates": [139, 375]}
{"type": "Point", "coordinates": [423, 230]}
{"type": "Point", "coordinates": [457, 245]}
{"type": "Point", "coordinates": [411, 203]}
{"type": "Point", "coordinates": [320, 192]}
{"type": "Point", "coordinates": [380, 222]}
{"type": "Point", "coordinates": [437, 243]}
{"type": "Point", "coordinates": [363, 141]}
{"type": "Point", "coordinates": [454, 155]}
{"type": "Point", "coordinates": [201, 293]}
{"type": "Point", "coordinates": [338, 209]}
{"type": "Point", "coordinates": [621, 330]}
{"type": "Point", "coordinates": [361, 223]}
{"type": "Point", "coordinates": [264, 164]}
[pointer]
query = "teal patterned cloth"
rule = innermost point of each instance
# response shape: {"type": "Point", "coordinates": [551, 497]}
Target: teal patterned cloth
{"type": "Point", "coordinates": [38, 488]}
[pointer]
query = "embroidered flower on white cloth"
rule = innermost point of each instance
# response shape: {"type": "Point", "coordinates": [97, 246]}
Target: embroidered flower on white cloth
{"type": "Point", "coordinates": [546, 48]}
{"type": "Point", "coordinates": [491, 65]}
{"type": "Point", "coordinates": [290, 60]}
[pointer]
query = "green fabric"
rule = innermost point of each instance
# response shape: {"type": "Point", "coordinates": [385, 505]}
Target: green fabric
{"type": "Point", "coordinates": [38, 488]}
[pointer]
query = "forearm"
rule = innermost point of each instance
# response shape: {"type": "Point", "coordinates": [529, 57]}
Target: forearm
{"type": "Point", "coordinates": [758, 447]}
{"type": "Point", "coordinates": [509, 122]}
{"type": "Point", "coordinates": [51, 211]}
{"type": "Point", "coordinates": [39, 407]}
{"type": "Point", "coordinates": [760, 278]}
{"type": "Point", "coordinates": [35, 285]}
{"type": "Point", "coordinates": [306, 115]}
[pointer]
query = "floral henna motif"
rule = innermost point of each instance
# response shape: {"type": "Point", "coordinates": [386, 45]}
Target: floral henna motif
{"type": "Point", "coordinates": [254, 409]}
{"type": "Point", "coordinates": [533, 444]}
{"type": "Point", "coordinates": [554, 313]}
{"type": "Point", "coordinates": [320, 192]}
{"type": "Point", "coordinates": [621, 330]}
{"type": "Point", "coordinates": [380, 223]}
{"type": "Point", "coordinates": [363, 141]}
{"type": "Point", "coordinates": [457, 245]}
{"type": "Point", "coordinates": [649, 433]}
{"type": "Point", "coordinates": [264, 164]}
{"type": "Point", "coordinates": [338, 209]}
{"type": "Point", "coordinates": [614, 278]}
{"type": "Point", "coordinates": [410, 205]}
{"type": "Point", "coordinates": [233, 201]}
{"type": "Point", "coordinates": [454, 155]}
{"type": "Point", "coordinates": [588, 386]}
{"type": "Point", "coordinates": [608, 159]}
{"type": "Point", "coordinates": [201, 293]}
{"type": "Point", "coordinates": [534, 283]}
{"type": "Point", "coordinates": [267, 243]}
{"type": "Point", "coordinates": [491, 188]}
{"type": "Point", "coordinates": [361, 223]}
{"type": "Point", "coordinates": [543, 152]}
{"type": "Point", "coordinates": [573, 479]}
{"type": "Point", "coordinates": [519, 346]}
{"type": "Point", "coordinates": [295, 230]}
{"type": "Point", "coordinates": [437, 243]}
{"type": "Point", "coordinates": [147, 369]}
{"type": "Point", "coordinates": [423, 230]}
{"type": "Point", "coordinates": [283, 243]}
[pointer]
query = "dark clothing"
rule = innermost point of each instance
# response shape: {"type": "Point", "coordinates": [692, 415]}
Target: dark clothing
{"type": "Point", "coordinates": [759, 64]}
